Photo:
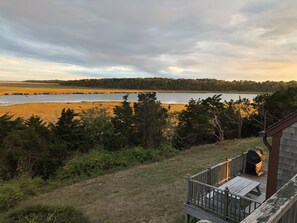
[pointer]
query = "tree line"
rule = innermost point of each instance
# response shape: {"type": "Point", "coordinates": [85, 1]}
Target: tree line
{"type": "Point", "coordinates": [181, 84]}
{"type": "Point", "coordinates": [33, 148]}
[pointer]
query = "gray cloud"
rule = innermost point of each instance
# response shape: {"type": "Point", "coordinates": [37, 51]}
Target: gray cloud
{"type": "Point", "coordinates": [151, 37]}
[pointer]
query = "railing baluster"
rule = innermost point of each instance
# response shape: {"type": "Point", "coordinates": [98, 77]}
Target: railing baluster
{"type": "Point", "coordinates": [220, 197]}
{"type": "Point", "coordinates": [239, 208]}
{"type": "Point", "coordinates": [244, 209]}
{"type": "Point", "coordinates": [193, 191]}
{"type": "Point", "coordinates": [226, 198]}
{"type": "Point", "coordinates": [199, 195]}
{"type": "Point", "coordinates": [213, 199]}
{"type": "Point", "coordinates": [217, 198]}
{"type": "Point", "coordinates": [250, 208]}
{"type": "Point", "coordinates": [209, 176]}
{"type": "Point", "coordinates": [235, 203]}
{"type": "Point", "coordinates": [187, 189]}
{"type": "Point", "coordinates": [204, 200]}
{"type": "Point", "coordinates": [209, 191]}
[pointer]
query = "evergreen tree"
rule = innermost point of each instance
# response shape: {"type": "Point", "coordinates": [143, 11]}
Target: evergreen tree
{"type": "Point", "coordinates": [99, 128]}
{"type": "Point", "coordinates": [215, 109]}
{"type": "Point", "coordinates": [37, 124]}
{"type": "Point", "coordinates": [256, 120]}
{"type": "Point", "coordinates": [270, 108]}
{"type": "Point", "coordinates": [279, 105]}
{"type": "Point", "coordinates": [9, 124]}
{"type": "Point", "coordinates": [22, 153]}
{"type": "Point", "coordinates": [123, 121]}
{"type": "Point", "coordinates": [235, 113]}
{"type": "Point", "coordinates": [69, 131]}
{"type": "Point", "coordinates": [193, 127]}
{"type": "Point", "coordinates": [150, 120]}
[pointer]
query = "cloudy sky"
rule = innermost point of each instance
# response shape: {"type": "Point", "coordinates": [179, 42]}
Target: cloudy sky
{"type": "Point", "coordinates": [222, 39]}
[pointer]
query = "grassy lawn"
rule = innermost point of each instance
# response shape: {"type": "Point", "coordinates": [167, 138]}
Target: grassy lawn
{"type": "Point", "coordinates": [148, 193]}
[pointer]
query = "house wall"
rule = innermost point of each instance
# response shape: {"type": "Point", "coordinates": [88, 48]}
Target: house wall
{"type": "Point", "coordinates": [287, 166]}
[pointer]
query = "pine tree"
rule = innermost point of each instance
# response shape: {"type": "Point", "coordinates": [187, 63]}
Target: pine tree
{"type": "Point", "coordinates": [193, 127]}
{"type": "Point", "coordinates": [150, 120]}
{"type": "Point", "coordinates": [124, 123]}
{"type": "Point", "coordinates": [215, 109]}
{"type": "Point", "coordinates": [69, 131]}
{"type": "Point", "coordinates": [98, 126]}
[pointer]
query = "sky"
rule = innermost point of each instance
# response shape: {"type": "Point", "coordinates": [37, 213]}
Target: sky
{"type": "Point", "coordinates": [221, 39]}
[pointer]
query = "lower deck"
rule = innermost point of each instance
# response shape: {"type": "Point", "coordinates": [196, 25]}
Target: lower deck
{"type": "Point", "coordinates": [208, 200]}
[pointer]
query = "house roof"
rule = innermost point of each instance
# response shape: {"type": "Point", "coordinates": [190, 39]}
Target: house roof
{"type": "Point", "coordinates": [280, 125]}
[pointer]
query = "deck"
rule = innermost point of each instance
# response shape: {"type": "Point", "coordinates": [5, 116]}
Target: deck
{"type": "Point", "coordinates": [205, 199]}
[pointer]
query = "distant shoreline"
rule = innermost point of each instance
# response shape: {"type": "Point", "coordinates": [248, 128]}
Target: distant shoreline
{"type": "Point", "coordinates": [28, 88]}
{"type": "Point", "coordinates": [106, 91]}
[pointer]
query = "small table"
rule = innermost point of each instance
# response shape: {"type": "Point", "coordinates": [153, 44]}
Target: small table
{"type": "Point", "coordinates": [241, 186]}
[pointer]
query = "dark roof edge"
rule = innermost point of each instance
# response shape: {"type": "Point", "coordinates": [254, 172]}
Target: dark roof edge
{"type": "Point", "coordinates": [280, 125]}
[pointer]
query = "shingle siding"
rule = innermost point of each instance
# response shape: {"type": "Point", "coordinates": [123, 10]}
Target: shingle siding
{"type": "Point", "coordinates": [287, 166]}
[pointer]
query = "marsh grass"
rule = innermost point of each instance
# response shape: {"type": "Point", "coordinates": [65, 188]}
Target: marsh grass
{"type": "Point", "coordinates": [27, 88]}
{"type": "Point", "coordinates": [50, 112]}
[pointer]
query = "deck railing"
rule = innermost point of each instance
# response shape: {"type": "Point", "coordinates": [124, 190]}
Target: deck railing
{"type": "Point", "coordinates": [202, 191]}
{"type": "Point", "coordinates": [222, 172]}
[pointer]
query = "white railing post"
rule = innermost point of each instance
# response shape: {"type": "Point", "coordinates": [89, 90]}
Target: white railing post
{"type": "Point", "coordinates": [209, 175]}
{"type": "Point", "coordinates": [188, 189]}
{"type": "Point", "coordinates": [242, 162]}
{"type": "Point", "coordinates": [226, 202]}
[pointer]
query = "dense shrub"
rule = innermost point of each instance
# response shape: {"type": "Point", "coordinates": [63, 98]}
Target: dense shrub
{"type": "Point", "coordinates": [140, 155]}
{"type": "Point", "coordinates": [46, 214]}
{"type": "Point", "coordinates": [94, 162]}
{"type": "Point", "coordinates": [15, 190]}
{"type": "Point", "coordinates": [166, 151]}
{"type": "Point", "coordinates": [97, 162]}
{"type": "Point", "coordinates": [98, 126]}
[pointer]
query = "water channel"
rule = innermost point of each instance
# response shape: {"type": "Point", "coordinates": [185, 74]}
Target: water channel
{"type": "Point", "coordinates": [166, 98]}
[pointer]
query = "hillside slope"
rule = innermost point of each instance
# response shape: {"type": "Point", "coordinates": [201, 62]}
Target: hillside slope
{"type": "Point", "coordinates": [148, 193]}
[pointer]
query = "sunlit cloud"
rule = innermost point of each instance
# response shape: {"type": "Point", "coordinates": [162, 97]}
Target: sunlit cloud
{"type": "Point", "coordinates": [13, 68]}
{"type": "Point", "coordinates": [237, 19]}
{"type": "Point", "coordinates": [176, 69]}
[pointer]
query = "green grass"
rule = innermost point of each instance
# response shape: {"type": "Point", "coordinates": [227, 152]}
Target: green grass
{"type": "Point", "coordinates": [46, 214]}
{"type": "Point", "coordinates": [145, 193]}
{"type": "Point", "coordinates": [12, 191]}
